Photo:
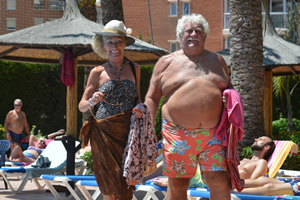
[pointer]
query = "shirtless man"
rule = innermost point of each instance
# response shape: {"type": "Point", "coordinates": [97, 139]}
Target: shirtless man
{"type": "Point", "coordinates": [191, 80]}
{"type": "Point", "coordinates": [263, 147]}
{"type": "Point", "coordinates": [15, 123]}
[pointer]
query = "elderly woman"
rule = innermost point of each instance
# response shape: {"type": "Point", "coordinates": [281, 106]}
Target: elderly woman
{"type": "Point", "coordinates": [34, 150]}
{"type": "Point", "coordinates": [114, 90]}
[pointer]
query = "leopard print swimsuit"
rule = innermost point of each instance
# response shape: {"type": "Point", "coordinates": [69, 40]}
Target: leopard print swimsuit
{"type": "Point", "coordinates": [118, 98]}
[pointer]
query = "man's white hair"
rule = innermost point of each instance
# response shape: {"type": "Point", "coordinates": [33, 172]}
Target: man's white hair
{"type": "Point", "coordinates": [192, 18]}
{"type": "Point", "coordinates": [18, 100]}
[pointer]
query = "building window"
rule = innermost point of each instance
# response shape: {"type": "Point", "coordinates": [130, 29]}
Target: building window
{"type": "Point", "coordinates": [37, 21]}
{"type": "Point", "coordinates": [56, 5]}
{"type": "Point", "coordinates": [186, 9]}
{"type": "Point", "coordinates": [11, 4]}
{"type": "Point", "coordinates": [227, 42]}
{"type": "Point", "coordinates": [38, 4]}
{"type": "Point", "coordinates": [11, 24]}
{"type": "Point", "coordinates": [278, 12]}
{"type": "Point", "coordinates": [173, 9]}
{"type": "Point", "coordinates": [226, 13]}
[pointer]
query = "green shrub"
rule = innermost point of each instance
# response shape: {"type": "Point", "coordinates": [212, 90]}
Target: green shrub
{"type": "Point", "coordinates": [247, 152]}
{"type": "Point", "coordinates": [281, 132]}
{"type": "Point", "coordinates": [42, 92]}
{"type": "Point", "coordinates": [87, 157]}
{"type": "Point", "coordinates": [39, 132]}
{"type": "Point", "coordinates": [292, 162]}
{"type": "Point", "coordinates": [158, 120]}
{"type": "Point", "coordinates": [2, 132]}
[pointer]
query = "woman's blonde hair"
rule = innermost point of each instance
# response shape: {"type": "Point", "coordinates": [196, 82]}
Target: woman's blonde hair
{"type": "Point", "coordinates": [43, 138]}
{"type": "Point", "coordinates": [98, 46]}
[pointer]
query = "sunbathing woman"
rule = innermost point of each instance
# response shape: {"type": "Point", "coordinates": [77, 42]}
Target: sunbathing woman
{"type": "Point", "coordinates": [33, 151]}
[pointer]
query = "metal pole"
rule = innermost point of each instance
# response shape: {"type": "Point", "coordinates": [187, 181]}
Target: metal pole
{"type": "Point", "coordinates": [151, 33]}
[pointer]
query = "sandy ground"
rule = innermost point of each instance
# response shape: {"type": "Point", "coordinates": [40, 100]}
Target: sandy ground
{"type": "Point", "coordinates": [31, 192]}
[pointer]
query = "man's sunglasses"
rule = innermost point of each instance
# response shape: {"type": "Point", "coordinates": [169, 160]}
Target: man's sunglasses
{"type": "Point", "coordinates": [17, 104]}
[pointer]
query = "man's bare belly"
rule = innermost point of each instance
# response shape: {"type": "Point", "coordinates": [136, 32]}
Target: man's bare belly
{"type": "Point", "coordinates": [16, 128]}
{"type": "Point", "coordinates": [196, 104]}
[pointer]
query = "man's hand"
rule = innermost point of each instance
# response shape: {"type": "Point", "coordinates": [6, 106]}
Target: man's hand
{"type": "Point", "coordinates": [8, 137]}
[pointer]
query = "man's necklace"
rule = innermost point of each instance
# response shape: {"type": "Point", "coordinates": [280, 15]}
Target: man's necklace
{"type": "Point", "coordinates": [118, 74]}
{"type": "Point", "coordinates": [195, 61]}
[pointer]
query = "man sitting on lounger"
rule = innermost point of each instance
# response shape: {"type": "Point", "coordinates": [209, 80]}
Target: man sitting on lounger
{"type": "Point", "coordinates": [33, 151]}
{"type": "Point", "coordinates": [263, 147]}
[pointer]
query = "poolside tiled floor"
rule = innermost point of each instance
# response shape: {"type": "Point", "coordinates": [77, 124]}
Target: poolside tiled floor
{"type": "Point", "coordinates": [31, 192]}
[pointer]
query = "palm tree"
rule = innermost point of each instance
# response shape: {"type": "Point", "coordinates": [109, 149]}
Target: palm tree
{"type": "Point", "coordinates": [88, 10]}
{"type": "Point", "coordinates": [247, 72]}
{"type": "Point", "coordinates": [283, 84]}
{"type": "Point", "coordinates": [112, 9]}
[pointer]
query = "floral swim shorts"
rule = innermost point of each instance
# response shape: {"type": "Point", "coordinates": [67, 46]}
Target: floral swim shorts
{"type": "Point", "coordinates": [295, 184]}
{"type": "Point", "coordinates": [183, 149]}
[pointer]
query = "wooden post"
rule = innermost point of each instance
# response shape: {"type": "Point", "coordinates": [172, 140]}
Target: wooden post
{"type": "Point", "coordinates": [268, 87]}
{"type": "Point", "coordinates": [72, 104]}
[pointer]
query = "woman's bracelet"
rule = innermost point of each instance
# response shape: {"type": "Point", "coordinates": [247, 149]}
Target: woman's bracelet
{"type": "Point", "coordinates": [7, 134]}
{"type": "Point", "coordinates": [90, 102]}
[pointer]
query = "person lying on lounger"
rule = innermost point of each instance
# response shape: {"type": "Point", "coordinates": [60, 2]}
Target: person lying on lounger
{"type": "Point", "coordinates": [263, 147]}
{"type": "Point", "coordinates": [33, 151]}
{"type": "Point", "coordinates": [271, 187]}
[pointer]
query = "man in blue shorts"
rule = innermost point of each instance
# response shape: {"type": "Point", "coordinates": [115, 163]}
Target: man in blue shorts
{"type": "Point", "coordinates": [15, 123]}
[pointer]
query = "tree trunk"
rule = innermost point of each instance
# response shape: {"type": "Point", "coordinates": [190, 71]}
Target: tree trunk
{"type": "Point", "coordinates": [247, 71]}
{"type": "Point", "coordinates": [111, 9]}
{"type": "Point", "coordinates": [87, 9]}
{"type": "Point", "coordinates": [289, 106]}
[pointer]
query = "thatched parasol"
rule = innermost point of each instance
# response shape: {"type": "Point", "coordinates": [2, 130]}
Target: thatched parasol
{"type": "Point", "coordinates": [46, 42]}
{"type": "Point", "coordinates": [279, 56]}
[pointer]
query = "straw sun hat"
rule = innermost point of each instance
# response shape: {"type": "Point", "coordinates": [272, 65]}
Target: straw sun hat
{"type": "Point", "coordinates": [117, 28]}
